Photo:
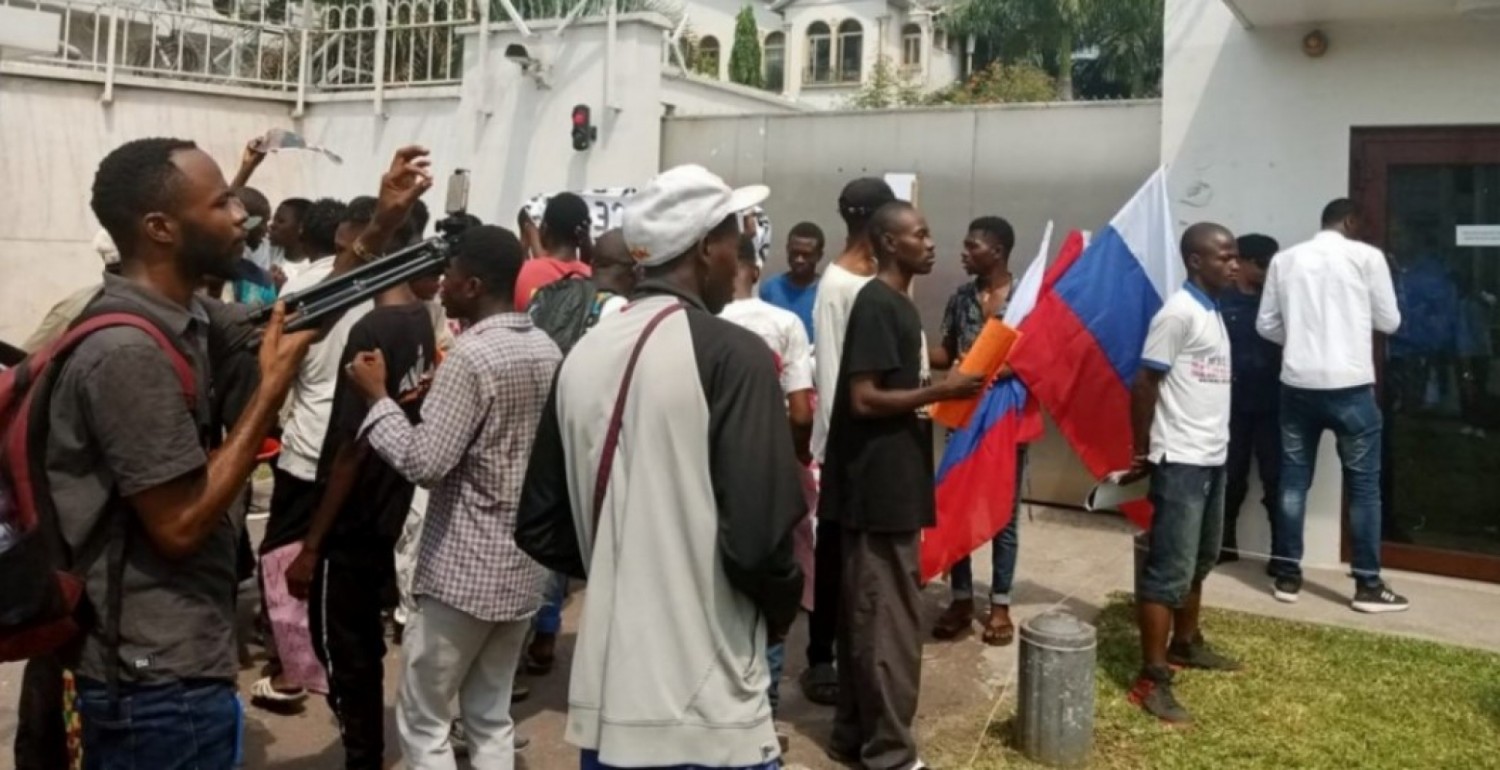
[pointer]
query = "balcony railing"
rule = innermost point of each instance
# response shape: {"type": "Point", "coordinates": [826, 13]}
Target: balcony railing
{"type": "Point", "coordinates": [828, 76]}
{"type": "Point", "coordinates": [262, 44]}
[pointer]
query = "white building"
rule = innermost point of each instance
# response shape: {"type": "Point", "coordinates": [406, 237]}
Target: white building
{"type": "Point", "coordinates": [1275, 107]}
{"type": "Point", "coordinates": [820, 52]}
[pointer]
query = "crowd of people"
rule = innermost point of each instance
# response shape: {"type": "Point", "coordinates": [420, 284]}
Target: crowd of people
{"type": "Point", "coordinates": [714, 451]}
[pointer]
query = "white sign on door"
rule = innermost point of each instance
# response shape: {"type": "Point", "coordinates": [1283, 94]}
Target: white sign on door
{"type": "Point", "coordinates": [1478, 236]}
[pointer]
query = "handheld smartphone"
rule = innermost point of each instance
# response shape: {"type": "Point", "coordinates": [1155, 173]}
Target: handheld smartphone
{"type": "Point", "coordinates": [458, 192]}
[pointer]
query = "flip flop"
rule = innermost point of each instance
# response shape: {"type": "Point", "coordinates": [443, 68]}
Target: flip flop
{"type": "Point", "coordinates": [264, 694]}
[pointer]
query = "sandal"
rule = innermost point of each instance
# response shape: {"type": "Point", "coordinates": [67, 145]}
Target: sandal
{"type": "Point", "coordinates": [956, 620]}
{"type": "Point", "coordinates": [998, 629]}
{"type": "Point", "coordinates": [820, 684]}
{"type": "Point", "coordinates": [265, 695]}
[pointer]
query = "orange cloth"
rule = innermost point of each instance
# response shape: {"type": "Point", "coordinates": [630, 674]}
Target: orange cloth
{"type": "Point", "coordinates": [985, 358]}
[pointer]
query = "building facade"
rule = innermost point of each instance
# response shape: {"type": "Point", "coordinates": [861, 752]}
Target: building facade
{"type": "Point", "coordinates": [820, 52]}
{"type": "Point", "coordinates": [1272, 108]}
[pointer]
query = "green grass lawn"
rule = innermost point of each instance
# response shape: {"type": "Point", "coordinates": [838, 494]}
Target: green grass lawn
{"type": "Point", "coordinates": [1309, 697]}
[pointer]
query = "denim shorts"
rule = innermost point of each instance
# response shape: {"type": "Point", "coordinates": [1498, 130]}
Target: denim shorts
{"type": "Point", "coordinates": [1186, 534]}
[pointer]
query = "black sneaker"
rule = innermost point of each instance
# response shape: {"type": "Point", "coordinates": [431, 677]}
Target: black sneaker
{"type": "Point", "coordinates": [1378, 597]}
{"type": "Point", "coordinates": [1287, 588]}
{"type": "Point", "coordinates": [1197, 654]}
{"type": "Point", "coordinates": [1153, 692]}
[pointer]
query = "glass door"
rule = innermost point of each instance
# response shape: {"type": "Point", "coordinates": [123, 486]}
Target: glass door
{"type": "Point", "coordinates": [1431, 198]}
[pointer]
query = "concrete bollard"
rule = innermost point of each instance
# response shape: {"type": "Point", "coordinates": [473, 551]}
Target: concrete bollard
{"type": "Point", "coordinates": [1055, 704]}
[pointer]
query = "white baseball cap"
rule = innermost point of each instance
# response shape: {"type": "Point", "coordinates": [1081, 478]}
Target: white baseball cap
{"type": "Point", "coordinates": [677, 209]}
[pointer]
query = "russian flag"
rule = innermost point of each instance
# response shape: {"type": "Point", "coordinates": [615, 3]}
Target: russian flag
{"type": "Point", "coordinates": [1081, 346]}
{"type": "Point", "coordinates": [976, 481]}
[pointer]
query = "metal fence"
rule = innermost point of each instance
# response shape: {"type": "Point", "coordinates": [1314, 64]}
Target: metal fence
{"type": "Point", "coordinates": [276, 45]}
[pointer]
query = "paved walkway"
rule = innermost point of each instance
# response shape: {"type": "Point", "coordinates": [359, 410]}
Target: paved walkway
{"type": "Point", "coordinates": [1068, 559]}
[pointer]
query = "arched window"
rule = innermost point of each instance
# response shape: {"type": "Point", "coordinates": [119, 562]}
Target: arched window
{"type": "Point", "coordinates": [819, 53]}
{"type": "Point", "coordinates": [911, 46]}
{"type": "Point", "coordinates": [775, 61]}
{"type": "Point", "coordinates": [851, 50]}
{"type": "Point", "coordinates": [707, 60]}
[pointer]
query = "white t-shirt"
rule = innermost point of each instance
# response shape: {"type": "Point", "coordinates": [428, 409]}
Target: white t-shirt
{"type": "Point", "coordinates": [311, 401]}
{"type": "Point", "coordinates": [836, 292]}
{"type": "Point", "coordinates": [783, 332]}
{"type": "Point", "coordinates": [1188, 341]}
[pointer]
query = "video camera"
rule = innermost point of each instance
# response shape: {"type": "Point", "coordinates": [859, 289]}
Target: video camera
{"type": "Point", "coordinates": [316, 304]}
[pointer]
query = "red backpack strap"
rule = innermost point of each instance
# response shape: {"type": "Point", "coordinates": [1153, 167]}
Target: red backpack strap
{"type": "Point", "coordinates": [180, 364]}
{"type": "Point", "coordinates": [18, 383]}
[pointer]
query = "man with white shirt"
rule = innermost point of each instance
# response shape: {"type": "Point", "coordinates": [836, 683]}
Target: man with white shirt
{"type": "Point", "coordinates": [1322, 300]}
{"type": "Point", "coordinates": [1179, 410]}
{"type": "Point", "coordinates": [784, 333]}
{"type": "Point", "coordinates": [840, 284]}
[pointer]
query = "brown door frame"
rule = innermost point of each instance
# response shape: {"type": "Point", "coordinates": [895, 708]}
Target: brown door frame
{"type": "Point", "coordinates": [1371, 152]}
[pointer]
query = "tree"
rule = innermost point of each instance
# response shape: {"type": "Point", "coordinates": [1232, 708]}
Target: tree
{"type": "Point", "coordinates": [1047, 33]}
{"type": "Point", "coordinates": [886, 88]}
{"type": "Point", "coordinates": [744, 56]}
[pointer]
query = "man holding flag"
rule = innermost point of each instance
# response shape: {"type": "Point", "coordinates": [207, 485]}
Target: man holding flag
{"type": "Point", "coordinates": [986, 256]}
{"type": "Point", "coordinates": [877, 489]}
{"type": "Point", "coordinates": [1180, 417]}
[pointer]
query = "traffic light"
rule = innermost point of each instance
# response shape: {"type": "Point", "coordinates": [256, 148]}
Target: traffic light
{"type": "Point", "coordinates": [584, 131]}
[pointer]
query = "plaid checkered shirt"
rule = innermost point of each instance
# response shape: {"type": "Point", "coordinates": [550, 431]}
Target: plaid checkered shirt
{"type": "Point", "coordinates": [478, 422]}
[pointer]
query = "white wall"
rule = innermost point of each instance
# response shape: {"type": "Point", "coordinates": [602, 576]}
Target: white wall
{"type": "Point", "coordinates": [54, 133]}
{"type": "Point", "coordinates": [524, 146]}
{"type": "Point", "coordinates": [1256, 136]}
{"type": "Point", "coordinates": [52, 136]}
{"type": "Point", "coordinates": [692, 94]}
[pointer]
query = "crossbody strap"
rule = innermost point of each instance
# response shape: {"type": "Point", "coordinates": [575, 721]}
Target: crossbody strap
{"type": "Point", "coordinates": [612, 437]}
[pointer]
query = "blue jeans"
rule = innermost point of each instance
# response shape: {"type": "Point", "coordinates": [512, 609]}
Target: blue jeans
{"type": "Point", "coordinates": [189, 725]}
{"type": "Point", "coordinates": [1187, 530]}
{"type": "Point", "coordinates": [1002, 554]}
{"type": "Point", "coordinates": [775, 661]}
{"type": "Point", "coordinates": [549, 617]}
{"type": "Point", "coordinates": [1355, 420]}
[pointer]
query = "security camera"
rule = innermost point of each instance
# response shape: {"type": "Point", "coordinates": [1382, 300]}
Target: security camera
{"type": "Point", "coordinates": [531, 66]}
{"type": "Point", "coordinates": [517, 53]}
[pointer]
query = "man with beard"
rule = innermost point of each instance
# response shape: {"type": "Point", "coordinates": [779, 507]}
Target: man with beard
{"type": "Point", "coordinates": [129, 474]}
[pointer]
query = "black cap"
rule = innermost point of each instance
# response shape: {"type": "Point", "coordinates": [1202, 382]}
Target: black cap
{"type": "Point", "coordinates": [862, 197]}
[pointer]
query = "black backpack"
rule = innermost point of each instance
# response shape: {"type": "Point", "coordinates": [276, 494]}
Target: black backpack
{"type": "Point", "coordinates": [567, 308]}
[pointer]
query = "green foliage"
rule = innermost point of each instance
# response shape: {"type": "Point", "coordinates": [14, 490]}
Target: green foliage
{"type": "Point", "coordinates": [1047, 33]}
{"type": "Point", "coordinates": [886, 87]}
{"type": "Point", "coordinates": [998, 84]}
{"type": "Point", "coordinates": [1438, 704]}
{"type": "Point", "coordinates": [744, 57]}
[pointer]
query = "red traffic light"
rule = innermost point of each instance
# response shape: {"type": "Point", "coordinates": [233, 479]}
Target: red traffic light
{"type": "Point", "coordinates": [584, 132]}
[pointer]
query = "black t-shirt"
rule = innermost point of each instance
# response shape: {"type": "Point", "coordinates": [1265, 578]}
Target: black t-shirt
{"type": "Point", "coordinates": [380, 498]}
{"type": "Point", "coordinates": [876, 476]}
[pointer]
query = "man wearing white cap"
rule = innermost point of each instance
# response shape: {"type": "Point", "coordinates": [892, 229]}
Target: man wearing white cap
{"type": "Point", "coordinates": [664, 472]}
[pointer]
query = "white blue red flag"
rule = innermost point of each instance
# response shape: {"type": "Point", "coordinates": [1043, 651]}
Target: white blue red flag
{"type": "Point", "coordinates": [1081, 346]}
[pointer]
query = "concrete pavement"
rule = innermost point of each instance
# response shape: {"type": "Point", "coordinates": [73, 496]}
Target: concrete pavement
{"type": "Point", "coordinates": [1068, 559]}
